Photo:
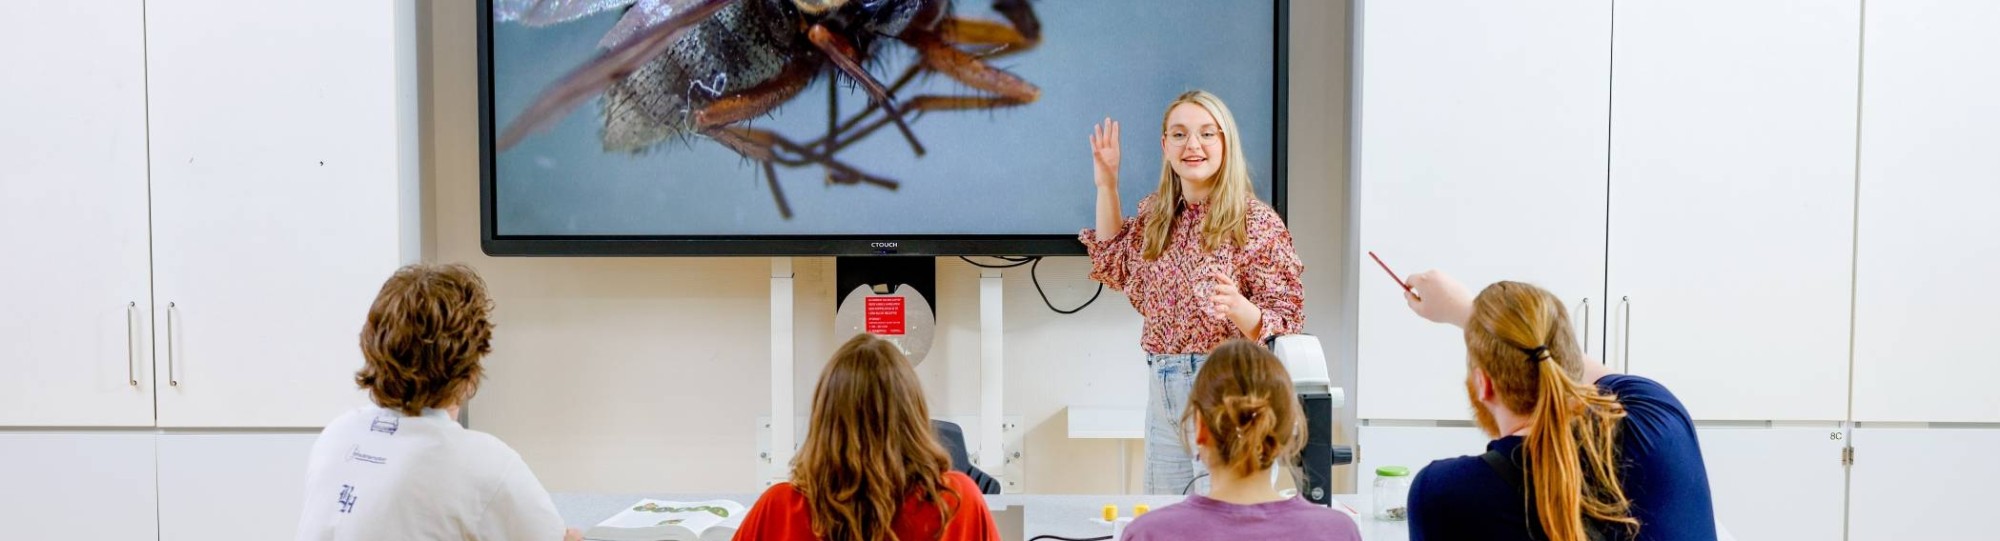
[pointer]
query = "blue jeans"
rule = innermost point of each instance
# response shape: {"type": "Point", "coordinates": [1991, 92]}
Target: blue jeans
{"type": "Point", "coordinates": [1170, 460]}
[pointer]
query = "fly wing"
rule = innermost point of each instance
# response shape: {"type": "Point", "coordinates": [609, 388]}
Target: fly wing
{"type": "Point", "coordinates": [609, 67]}
{"type": "Point", "coordinates": [644, 14]}
{"type": "Point", "coordinates": [547, 12]}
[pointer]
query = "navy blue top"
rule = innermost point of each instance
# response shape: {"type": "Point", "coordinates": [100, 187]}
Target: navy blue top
{"type": "Point", "coordinates": [1659, 465]}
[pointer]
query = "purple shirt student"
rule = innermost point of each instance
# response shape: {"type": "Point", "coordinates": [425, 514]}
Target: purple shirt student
{"type": "Point", "coordinates": [1246, 419]}
{"type": "Point", "coordinates": [1202, 518]}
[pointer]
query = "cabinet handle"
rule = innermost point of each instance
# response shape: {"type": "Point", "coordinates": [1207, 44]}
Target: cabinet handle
{"type": "Point", "coordinates": [1586, 325]}
{"type": "Point", "coordinates": [131, 374]}
{"type": "Point", "coordinates": [171, 382]}
{"type": "Point", "coordinates": [1625, 359]}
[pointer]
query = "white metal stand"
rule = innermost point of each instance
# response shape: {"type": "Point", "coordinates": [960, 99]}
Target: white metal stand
{"type": "Point", "coordinates": [992, 457]}
{"type": "Point", "coordinates": [782, 437]}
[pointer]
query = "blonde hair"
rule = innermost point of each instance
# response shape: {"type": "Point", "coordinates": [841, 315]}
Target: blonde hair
{"type": "Point", "coordinates": [1227, 203]}
{"type": "Point", "coordinates": [1519, 335]}
{"type": "Point", "coordinates": [869, 445]}
{"type": "Point", "coordinates": [1244, 397]}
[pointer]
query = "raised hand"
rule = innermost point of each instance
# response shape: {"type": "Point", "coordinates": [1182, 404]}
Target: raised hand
{"type": "Point", "coordinates": [1104, 154]}
{"type": "Point", "coordinates": [1439, 298]}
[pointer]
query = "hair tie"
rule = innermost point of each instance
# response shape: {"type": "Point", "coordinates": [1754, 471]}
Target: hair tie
{"type": "Point", "coordinates": [1537, 354]}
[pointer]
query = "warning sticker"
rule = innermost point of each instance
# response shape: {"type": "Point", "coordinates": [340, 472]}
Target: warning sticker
{"type": "Point", "coordinates": [884, 315]}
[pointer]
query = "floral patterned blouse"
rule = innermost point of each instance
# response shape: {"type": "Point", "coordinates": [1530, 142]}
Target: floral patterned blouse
{"type": "Point", "coordinates": [1172, 292]}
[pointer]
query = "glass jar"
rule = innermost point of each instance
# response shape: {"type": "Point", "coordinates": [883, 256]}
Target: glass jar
{"type": "Point", "coordinates": [1392, 493]}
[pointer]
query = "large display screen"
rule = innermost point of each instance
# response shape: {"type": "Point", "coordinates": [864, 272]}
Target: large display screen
{"type": "Point", "coordinates": [754, 127]}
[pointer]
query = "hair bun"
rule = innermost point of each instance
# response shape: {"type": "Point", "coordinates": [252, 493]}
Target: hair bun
{"type": "Point", "coordinates": [1245, 409]}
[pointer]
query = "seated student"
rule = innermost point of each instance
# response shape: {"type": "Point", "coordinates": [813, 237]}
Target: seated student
{"type": "Point", "coordinates": [1246, 420]}
{"type": "Point", "coordinates": [871, 463]}
{"type": "Point", "coordinates": [404, 468]}
{"type": "Point", "coordinates": [1580, 453]}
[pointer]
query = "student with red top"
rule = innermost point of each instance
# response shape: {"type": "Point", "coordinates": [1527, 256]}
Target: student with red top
{"type": "Point", "coordinates": [871, 468]}
{"type": "Point", "coordinates": [1203, 262]}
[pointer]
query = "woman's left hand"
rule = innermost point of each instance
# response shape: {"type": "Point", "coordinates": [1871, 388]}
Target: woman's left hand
{"type": "Point", "coordinates": [1227, 301]}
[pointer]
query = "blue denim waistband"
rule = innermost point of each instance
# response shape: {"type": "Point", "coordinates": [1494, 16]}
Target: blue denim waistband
{"type": "Point", "coordinates": [1157, 358]}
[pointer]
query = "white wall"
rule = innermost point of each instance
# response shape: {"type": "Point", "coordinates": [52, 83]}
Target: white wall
{"type": "Point", "coordinates": [648, 374]}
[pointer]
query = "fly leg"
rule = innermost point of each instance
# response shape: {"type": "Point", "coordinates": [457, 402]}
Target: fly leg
{"type": "Point", "coordinates": [718, 120]}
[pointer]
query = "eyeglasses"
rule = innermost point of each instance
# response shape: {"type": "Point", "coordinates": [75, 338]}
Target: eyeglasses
{"type": "Point", "coordinates": [1179, 138]}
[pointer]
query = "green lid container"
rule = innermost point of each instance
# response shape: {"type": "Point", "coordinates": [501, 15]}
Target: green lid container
{"type": "Point", "coordinates": [1392, 471]}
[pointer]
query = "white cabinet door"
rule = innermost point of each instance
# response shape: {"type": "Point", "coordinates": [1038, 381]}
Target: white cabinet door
{"type": "Point", "coordinates": [74, 292]}
{"type": "Point", "coordinates": [1479, 150]}
{"type": "Point", "coordinates": [229, 487]}
{"type": "Point", "coordinates": [1923, 483]}
{"type": "Point", "coordinates": [89, 485]}
{"type": "Point", "coordinates": [1775, 483]}
{"type": "Point", "coordinates": [284, 192]}
{"type": "Point", "coordinates": [1732, 202]}
{"type": "Point", "coordinates": [1929, 237]}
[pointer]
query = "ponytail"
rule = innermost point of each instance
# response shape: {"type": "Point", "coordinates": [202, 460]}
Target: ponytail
{"type": "Point", "coordinates": [1572, 445]}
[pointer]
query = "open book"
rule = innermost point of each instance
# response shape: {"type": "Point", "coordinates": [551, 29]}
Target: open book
{"type": "Point", "coordinates": [656, 520]}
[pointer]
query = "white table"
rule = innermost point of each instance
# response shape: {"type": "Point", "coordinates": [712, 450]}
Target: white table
{"type": "Point", "coordinates": [1124, 424]}
{"type": "Point", "coordinates": [1020, 515]}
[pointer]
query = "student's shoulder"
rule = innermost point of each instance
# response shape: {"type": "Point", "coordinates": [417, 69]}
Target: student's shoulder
{"type": "Point", "coordinates": [339, 433]}
{"type": "Point", "coordinates": [779, 504]}
{"type": "Point", "coordinates": [1455, 468]}
{"type": "Point", "coordinates": [1257, 210]}
{"type": "Point", "coordinates": [962, 483]}
{"type": "Point", "coordinates": [1325, 519]}
{"type": "Point", "coordinates": [1635, 386]}
{"type": "Point", "coordinates": [486, 443]}
{"type": "Point", "coordinates": [350, 418]}
{"type": "Point", "coordinates": [967, 491]}
{"type": "Point", "coordinates": [1451, 481]}
{"type": "Point", "coordinates": [1265, 225]}
{"type": "Point", "coordinates": [1643, 396]}
{"type": "Point", "coordinates": [482, 455]}
{"type": "Point", "coordinates": [353, 423]}
{"type": "Point", "coordinates": [1172, 512]}
{"type": "Point", "coordinates": [1145, 206]}
{"type": "Point", "coordinates": [1162, 523]}
{"type": "Point", "coordinates": [1303, 519]}
{"type": "Point", "coordinates": [779, 491]}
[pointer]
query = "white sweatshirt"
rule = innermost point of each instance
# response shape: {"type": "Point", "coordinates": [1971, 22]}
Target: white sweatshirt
{"type": "Point", "coordinates": [376, 474]}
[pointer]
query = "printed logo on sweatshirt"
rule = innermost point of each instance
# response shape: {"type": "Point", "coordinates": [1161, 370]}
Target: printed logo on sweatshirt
{"type": "Point", "coordinates": [354, 453]}
{"type": "Point", "coordinates": [347, 499]}
{"type": "Point", "coordinates": [386, 424]}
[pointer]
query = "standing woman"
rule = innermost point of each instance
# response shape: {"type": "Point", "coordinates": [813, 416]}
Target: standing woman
{"type": "Point", "coordinates": [1203, 262]}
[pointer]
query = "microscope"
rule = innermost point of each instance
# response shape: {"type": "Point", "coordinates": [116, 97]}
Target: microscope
{"type": "Point", "coordinates": [1305, 360]}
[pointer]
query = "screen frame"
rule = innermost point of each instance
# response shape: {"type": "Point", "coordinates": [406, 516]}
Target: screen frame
{"type": "Point", "coordinates": [494, 244]}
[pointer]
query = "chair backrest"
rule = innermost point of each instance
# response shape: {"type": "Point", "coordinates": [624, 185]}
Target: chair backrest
{"type": "Point", "coordinates": [953, 439]}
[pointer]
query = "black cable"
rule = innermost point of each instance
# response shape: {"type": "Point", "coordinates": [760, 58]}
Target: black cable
{"type": "Point", "coordinates": [1190, 485]}
{"type": "Point", "coordinates": [1061, 538]}
{"type": "Point", "coordinates": [1015, 262]}
{"type": "Point", "coordinates": [1045, 295]}
{"type": "Point", "coordinates": [1034, 262]}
